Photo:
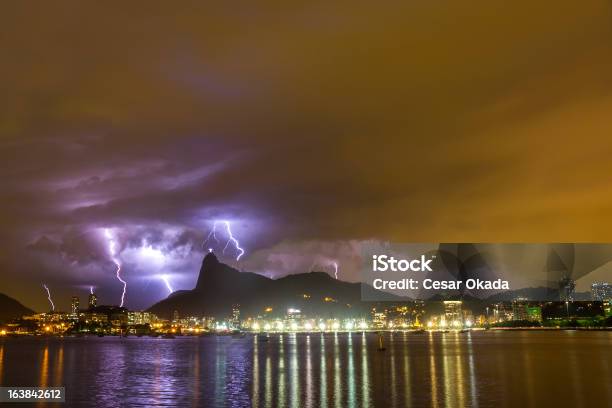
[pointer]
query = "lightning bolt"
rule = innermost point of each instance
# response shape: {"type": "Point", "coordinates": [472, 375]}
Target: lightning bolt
{"type": "Point", "coordinates": [335, 269]}
{"type": "Point", "coordinates": [165, 279]}
{"type": "Point", "coordinates": [112, 249]}
{"type": "Point", "coordinates": [49, 297]}
{"type": "Point", "coordinates": [212, 234]}
{"type": "Point", "coordinates": [231, 239]}
{"type": "Point", "coordinates": [91, 290]}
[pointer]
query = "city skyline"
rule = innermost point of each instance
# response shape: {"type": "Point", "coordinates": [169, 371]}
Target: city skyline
{"type": "Point", "coordinates": [349, 127]}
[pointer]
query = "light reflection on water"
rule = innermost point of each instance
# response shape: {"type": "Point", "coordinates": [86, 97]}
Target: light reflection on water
{"type": "Point", "coordinates": [432, 369]}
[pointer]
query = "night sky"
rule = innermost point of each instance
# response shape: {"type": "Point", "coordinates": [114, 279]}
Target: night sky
{"type": "Point", "coordinates": [310, 128]}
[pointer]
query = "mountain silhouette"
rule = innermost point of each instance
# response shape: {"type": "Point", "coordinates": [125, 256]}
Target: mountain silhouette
{"type": "Point", "coordinates": [12, 309]}
{"type": "Point", "coordinates": [220, 286]}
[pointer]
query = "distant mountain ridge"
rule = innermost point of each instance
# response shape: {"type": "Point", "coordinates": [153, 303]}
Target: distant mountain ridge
{"type": "Point", "coordinates": [11, 308]}
{"type": "Point", "coordinates": [219, 286]}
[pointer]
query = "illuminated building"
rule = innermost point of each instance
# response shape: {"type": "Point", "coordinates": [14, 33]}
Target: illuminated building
{"type": "Point", "coordinates": [93, 317]}
{"type": "Point", "coordinates": [92, 301]}
{"type": "Point", "coordinates": [566, 289]}
{"type": "Point", "coordinates": [534, 313]}
{"type": "Point", "coordinates": [235, 321]}
{"type": "Point", "coordinates": [294, 314]}
{"type": "Point", "coordinates": [523, 310]}
{"type": "Point", "coordinates": [208, 322]}
{"type": "Point", "coordinates": [452, 311]}
{"type": "Point", "coordinates": [601, 291]}
{"type": "Point", "coordinates": [519, 309]}
{"type": "Point", "coordinates": [502, 312]}
{"type": "Point", "coordinates": [379, 319]}
{"type": "Point", "coordinates": [135, 318]}
{"type": "Point", "coordinates": [74, 306]}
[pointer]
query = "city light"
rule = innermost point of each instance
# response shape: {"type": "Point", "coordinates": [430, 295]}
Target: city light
{"type": "Point", "coordinates": [349, 325]}
{"type": "Point", "coordinates": [308, 326]}
{"type": "Point", "coordinates": [322, 326]}
{"type": "Point", "coordinates": [363, 325]}
{"type": "Point", "coordinates": [335, 325]}
{"type": "Point", "coordinates": [294, 326]}
{"type": "Point", "coordinates": [267, 327]}
{"type": "Point", "coordinates": [280, 326]}
{"type": "Point", "coordinates": [255, 326]}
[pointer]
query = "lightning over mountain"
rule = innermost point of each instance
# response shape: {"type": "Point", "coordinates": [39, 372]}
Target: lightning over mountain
{"type": "Point", "coordinates": [230, 238]}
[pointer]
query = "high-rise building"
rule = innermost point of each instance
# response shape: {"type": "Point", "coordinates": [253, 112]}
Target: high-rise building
{"type": "Point", "coordinates": [74, 305]}
{"type": "Point", "coordinates": [92, 301]}
{"type": "Point", "coordinates": [566, 289]}
{"type": "Point", "coordinates": [519, 309]}
{"type": "Point", "coordinates": [601, 291]}
{"type": "Point", "coordinates": [379, 318]}
{"type": "Point", "coordinates": [502, 312]}
{"type": "Point", "coordinates": [452, 312]}
{"type": "Point", "coordinates": [236, 316]}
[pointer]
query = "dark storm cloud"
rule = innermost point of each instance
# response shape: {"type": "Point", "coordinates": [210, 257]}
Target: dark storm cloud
{"type": "Point", "coordinates": [310, 127]}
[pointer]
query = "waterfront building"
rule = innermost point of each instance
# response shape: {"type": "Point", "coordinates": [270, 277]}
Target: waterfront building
{"type": "Point", "coordinates": [453, 314]}
{"type": "Point", "coordinates": [502, 312]}
{"type": "Point", "coordinates": [235, 320]}
{"type": "Point", "coordinates": [534, 313]}
{"type": "Point", "coordinates": [74, 306]}
{"type": "Point", "coordinates": [567, 288]}
{"type": "Point", "coordinates": [379, 319]}
{"type": "Point", "coordinates": [136, 318]}
{"type": "Point", "coordinates": [519, 309]}
{"type": "Point", "coordinates": [601, 291]}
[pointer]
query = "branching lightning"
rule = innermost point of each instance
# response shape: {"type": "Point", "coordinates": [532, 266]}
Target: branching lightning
{"type": "Point", "coordinates": [112, 249]}
{"type": "Point", "coordinates": [228, 228]}
{"type": "Point", "coordinates": [212, 234]}
{"type": "Point", "coordinates": [49, 297]}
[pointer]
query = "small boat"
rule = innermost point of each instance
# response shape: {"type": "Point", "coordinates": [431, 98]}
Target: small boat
{"type": "Point", "coordinates": [168, 336]}
{"type": "Point", "coordinates": [419, 331]}
{"type": "Point", "coordinates": [263, 337]}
